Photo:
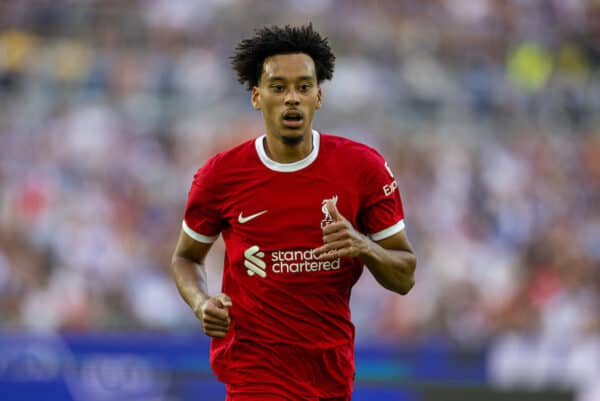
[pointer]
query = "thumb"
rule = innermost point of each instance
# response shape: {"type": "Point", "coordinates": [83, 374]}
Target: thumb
{"type": "Point", "coordinates": [224, 300]}
{"type": "Point", "coordinates": [333, 212]}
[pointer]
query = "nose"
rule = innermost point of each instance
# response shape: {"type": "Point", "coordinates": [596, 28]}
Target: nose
{"type": "Point", "coordinates": [291, 98]}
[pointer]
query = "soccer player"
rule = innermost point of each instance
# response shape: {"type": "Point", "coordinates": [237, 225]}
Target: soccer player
{"type": "Point", "coordinates": [300, 212]}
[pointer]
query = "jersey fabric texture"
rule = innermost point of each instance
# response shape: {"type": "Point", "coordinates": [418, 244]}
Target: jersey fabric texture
{"type": "Point", "coordinates": [291, 331]}
{"type": "Point", "coordinates": [277, 397]}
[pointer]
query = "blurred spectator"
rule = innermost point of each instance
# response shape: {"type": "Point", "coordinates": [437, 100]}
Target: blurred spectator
{"type": "Point", "coordinates": [488, 112]}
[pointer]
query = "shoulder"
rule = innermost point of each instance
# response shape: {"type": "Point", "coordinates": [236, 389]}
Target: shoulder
{"type": "Point", "coordinates": [237, 155]}
{"type": "Point", "coordinates": [356, 153]}
{"type": "Point", "coordinates": [367, 165]}
{"type": "Point", "coordinates": [226, 163]}
{"type": "Point", "coordinates": [230, 158]}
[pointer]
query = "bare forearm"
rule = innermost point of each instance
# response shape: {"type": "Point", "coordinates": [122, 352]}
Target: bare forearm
{"type": "Point", "coordinates": [393, 269]}
{"type": "Point", "coordinates": [190, 279]}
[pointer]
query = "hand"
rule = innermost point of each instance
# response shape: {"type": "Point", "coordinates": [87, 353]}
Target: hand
{"type": "Point", "coordinates": [214, 315]}
{"type": "Point", "coordinates": [340, 238]}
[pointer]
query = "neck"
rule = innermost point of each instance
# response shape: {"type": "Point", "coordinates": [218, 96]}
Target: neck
{"type": "Point", "coordinates": [283, 152]}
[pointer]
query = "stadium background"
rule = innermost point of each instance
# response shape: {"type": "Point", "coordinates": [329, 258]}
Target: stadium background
{"type": "Point", "coordinates": [487, 111]}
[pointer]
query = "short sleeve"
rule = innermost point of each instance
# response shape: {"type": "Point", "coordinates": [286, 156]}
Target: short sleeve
{"type": "Point", "coordinates": [202, 218]}
{"type": "Point", "coordinates": [382, 213]}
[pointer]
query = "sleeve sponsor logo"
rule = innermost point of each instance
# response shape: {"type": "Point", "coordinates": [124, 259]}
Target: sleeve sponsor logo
{"type": "Point", "coordinates": [389, 189]}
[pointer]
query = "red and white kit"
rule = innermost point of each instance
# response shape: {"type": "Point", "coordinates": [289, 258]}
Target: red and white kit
{"type": "Point", "coordinates": [291, 331]}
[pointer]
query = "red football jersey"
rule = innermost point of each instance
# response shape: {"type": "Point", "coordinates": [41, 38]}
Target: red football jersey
{"type": "Point", "coordinates": [291, 326]}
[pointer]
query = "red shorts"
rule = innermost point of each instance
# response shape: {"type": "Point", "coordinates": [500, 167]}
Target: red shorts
{"type": "Point", "coordinates": [271, 397]}
{"type": "Point", "coordinates": [257, 372]}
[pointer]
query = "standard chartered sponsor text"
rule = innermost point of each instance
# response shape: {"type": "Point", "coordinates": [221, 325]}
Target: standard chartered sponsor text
{"type": "Point", "coordinates": [299, 261]}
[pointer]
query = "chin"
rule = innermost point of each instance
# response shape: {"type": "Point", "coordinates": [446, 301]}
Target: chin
{"type": "Point", "coordinates": [292, 139]}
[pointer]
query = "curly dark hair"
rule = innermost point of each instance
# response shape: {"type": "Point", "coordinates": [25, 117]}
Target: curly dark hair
{"type": "Point", "coordinates": [251, 53]}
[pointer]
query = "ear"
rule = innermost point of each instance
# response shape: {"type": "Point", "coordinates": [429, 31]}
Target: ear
{"type": "Point", "coordinates": [255, 98]}
{"type": "Point", "coordinates": [319, 97]}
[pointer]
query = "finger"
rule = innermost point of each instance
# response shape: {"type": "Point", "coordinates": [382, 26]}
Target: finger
{"type": "Point", "coordinates": [336, 236]}
{"type": "Point", "coordinates": [326, 253]}
{"type": "Point", "coordinates": [319, 251]}
{"type": "Point", "coordinates": [336, 245]}
{"type": "Point", "coordinates": [215, 312]}
{"type": "Point", "coordinates": [334, 227]}
{"type": "Point", "coordinates": [329, 255]}
{"type": "Point", "coordinates": [216, 333]}
{"type": "Point", "coordinates": [217, 327]}
{"type": "Point", "coordinates": [224, 300]}
{"type": "Point", "coordinates": [216, 319]}
{"type": "Point", "coordinates": [338, 253]}
{"type": "Point", "coordinates": [333, 212]}
{"type": "Point", "coordinates": [350, 252]}
{"type": "Point", "coordinates": [211, 320]}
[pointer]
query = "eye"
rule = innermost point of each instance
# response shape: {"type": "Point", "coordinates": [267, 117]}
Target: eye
{"type": "Point", "coordinates": [305, 87]}
{"type": "Point", "coordinates": [277, 88]}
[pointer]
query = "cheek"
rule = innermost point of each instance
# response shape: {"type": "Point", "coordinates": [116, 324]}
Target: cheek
{"type": "Point", "coordinates": [271, 106]}
{"type": "Point", "coordinates": [269, 109]}
{"type": "Point", "coordinates": [266, 100]}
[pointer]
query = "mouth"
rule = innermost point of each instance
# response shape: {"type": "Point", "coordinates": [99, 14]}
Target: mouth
{"type": "Point", "coordinates": [293, 119]}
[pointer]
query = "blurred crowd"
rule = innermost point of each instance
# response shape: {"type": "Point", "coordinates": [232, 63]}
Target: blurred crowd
{"type": "Point", "coordinates": [487, 111]}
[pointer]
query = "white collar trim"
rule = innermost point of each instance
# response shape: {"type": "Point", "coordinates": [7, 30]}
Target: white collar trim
{"type": "Point", "coordinates": [287, 167]}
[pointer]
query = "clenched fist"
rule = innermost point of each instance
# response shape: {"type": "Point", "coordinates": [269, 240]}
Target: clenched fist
{"type": "Point", "coordinates": [214, 315]}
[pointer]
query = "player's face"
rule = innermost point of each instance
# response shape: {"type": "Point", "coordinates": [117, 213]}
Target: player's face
{"type": "Point", "coordinates": [288, 95]}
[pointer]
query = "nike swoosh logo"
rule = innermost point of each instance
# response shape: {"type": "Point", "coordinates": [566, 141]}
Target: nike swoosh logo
{"type": "Point", "coordinates": [242, 219]}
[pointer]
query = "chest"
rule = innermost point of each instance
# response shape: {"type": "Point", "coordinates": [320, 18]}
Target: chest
{"type": "Point", "coordinates": [287, 208]}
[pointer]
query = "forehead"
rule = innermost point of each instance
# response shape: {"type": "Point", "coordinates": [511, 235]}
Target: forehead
{"type": "Point", "coordinates": [289, 66]}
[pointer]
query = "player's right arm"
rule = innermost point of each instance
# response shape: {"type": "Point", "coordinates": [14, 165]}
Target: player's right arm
{"type": "Point", "coordinates": [187, 267]}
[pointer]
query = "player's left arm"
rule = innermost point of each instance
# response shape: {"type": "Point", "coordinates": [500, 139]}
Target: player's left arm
{"type": "Point", "coordinates": [391, 260]}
